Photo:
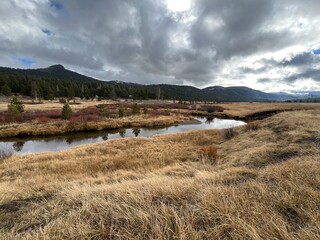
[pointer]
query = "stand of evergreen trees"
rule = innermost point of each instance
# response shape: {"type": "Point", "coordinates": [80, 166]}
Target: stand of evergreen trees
{"type": "Point", "coordinates": [48, 88]}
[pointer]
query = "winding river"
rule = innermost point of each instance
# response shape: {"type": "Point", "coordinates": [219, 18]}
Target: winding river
{"type": "Point", "coordinates": [29, 145]}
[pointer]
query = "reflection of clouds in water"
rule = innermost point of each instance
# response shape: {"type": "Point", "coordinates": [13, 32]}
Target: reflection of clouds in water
{"type": "Point", "coordinates": [62, 143]}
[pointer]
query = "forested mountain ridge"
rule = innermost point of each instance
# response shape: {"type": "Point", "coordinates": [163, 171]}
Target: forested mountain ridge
{"type": "Point", "coordinates": [56, 81]}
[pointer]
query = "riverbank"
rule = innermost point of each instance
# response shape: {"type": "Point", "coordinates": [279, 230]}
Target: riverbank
{"type": "Point", "coordinates": [260, 182]}
{"type": "Point", "coordinates": [247, 111]}
{"type": "Point", "coordinates": [59, 127]}
{"type": "Point", "coordinates": [44, 119]}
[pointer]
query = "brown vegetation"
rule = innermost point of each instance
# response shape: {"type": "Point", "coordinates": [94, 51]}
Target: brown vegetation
{"type": "Point", "coordinates": [263, 184]}
{"type": "Point", "coordinates": [85, 123]}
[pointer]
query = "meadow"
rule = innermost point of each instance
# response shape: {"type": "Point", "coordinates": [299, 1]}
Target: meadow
{"type": "Point", "coordinates": [45, 118]}
{"type": "Point", "coordinates": [259, 181]}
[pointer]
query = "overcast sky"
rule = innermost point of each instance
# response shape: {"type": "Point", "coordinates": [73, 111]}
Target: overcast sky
{"type": "Point", "coordinates": [270, 45]}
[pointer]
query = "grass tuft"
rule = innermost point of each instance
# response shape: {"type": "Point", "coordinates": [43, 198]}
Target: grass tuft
{"type": "Point", "coordinates": [209, 154]}
{"type": "Point", "coordinates": [252, 126]}
{"type": "Point", "coordinates": [229, 133]}
{"type": "Point", "coordinates": [6, 153]}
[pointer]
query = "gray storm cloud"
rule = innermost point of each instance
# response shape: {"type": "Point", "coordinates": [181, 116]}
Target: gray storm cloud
{"type": "Point", "coordinates": [263, 44]}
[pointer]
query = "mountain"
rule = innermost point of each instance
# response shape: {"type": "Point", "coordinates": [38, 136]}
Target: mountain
{"type": "Point", "coordinates": [56, 81]}
{"type": "Point", "coordinates": [238, 94]}
{"type": "Point", "coordinates": [59, 72]}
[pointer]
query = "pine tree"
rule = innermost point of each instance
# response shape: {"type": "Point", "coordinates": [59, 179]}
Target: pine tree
{"type": "Point", "coordinates": [135, 109]}
{"type": "Point", "coordinates": [66, 111]}
{"type": "Point", "coordinates": [103, 110]}
{"type": "Point", "coordinates": [122, 112]}
{"type": "Point", "coordinates": [16, 107]}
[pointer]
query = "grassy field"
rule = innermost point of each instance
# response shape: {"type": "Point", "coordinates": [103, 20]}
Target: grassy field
{"type": "Point", "coordinates": [46, 118]}
{"type": "Point", "coordinates": [240, 109]}
{"type": "Point", "coordinates": [260, 181]}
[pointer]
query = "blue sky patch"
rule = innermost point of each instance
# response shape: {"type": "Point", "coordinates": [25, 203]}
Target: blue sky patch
{"type": "Point", "coordinates": [47, 32]}
{"type": "Point", "coordinates": [25, 61]}
{"type": "Point", "coordinates": [56, 5]}
{"type": "Point", "coordinates": [316, 52]}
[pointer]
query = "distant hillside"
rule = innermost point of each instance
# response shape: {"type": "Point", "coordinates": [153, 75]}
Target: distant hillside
{"type": "Point", "coordinates": [238, 94]}
{"type": "Point", "coordinates": [56, 81]}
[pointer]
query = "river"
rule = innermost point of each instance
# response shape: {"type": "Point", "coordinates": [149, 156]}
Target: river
{"type": "Point", "coordinates": [27, 145]}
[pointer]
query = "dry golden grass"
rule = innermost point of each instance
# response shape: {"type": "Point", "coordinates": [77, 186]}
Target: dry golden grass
{"type": "Point", "coordinates": [263, 184]}
{"type": "Point", "coordinates": [238, 109]}
{"type": "Point", "coordinates": [243, 109]}
{"type": "Point", "coordinates": [54, 105]}
{"type": "Point", "coordinates": [64, 126]}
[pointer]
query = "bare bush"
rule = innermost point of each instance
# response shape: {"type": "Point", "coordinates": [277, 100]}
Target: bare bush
{"type": "Point", "coordinates": [229, 133]}
{"type": "Point", "coordinates": [211, 108]}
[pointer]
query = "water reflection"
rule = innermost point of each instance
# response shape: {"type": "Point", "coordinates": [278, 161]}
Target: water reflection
{"type": "Point", "coordinates": [122, 133]}
{"type": "Point", "coordinates": [18, 146]}
{"type": "Point", "coordinates": [136, 131]}
{"type": "Point", "coordinates": [69, 140]}
{"type": "Point", "coordinates": [105, 137]}
{"type": "Point", "coordinates": [209, 120]}
{"type": "Point", "coordinates": [58, 143]}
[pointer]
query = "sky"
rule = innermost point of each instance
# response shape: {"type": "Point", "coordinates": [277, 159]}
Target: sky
{"type": "Point", "coordinates": [270, 45]}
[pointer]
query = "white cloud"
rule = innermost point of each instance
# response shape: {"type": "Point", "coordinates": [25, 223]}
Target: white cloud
{"type": "Point", "coordinates": [201, 42]}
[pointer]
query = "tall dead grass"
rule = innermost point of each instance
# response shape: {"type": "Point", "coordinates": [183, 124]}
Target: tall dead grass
{"type": "Point", "coordinates": [264, 184]}
{"type": "Point", "coordinates": [87, 123]}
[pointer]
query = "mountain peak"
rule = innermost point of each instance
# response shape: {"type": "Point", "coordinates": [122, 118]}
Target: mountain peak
{"type": "Point", "coordinates": [56, 67]}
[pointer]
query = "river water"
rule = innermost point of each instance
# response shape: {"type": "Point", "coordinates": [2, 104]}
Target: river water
{"type": "Point", "coordinates": [29, 145]}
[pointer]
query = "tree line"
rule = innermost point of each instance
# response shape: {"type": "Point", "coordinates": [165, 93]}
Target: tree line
{"type": "Point", "coordinates": [48, 88]}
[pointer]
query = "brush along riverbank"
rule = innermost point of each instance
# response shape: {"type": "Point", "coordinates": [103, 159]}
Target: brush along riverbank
{"type": "Point", "coordinates": [59, 127]}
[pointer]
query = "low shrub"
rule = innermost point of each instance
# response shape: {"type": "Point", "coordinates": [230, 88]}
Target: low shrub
{"type": "Point", "coordinates": [122, 112]}
{"type": "Point", "coordinates": [62, 100]}
{"type": "Point", "coordinates": [88, 111]}
{"type": "Point", "coordinates": [159, 113]}
{"type": "Point", "coordinates": [103, 110]}
{"type": "Point", "coordinates": [42, 119]}
{"type": "Point", "coordinates": [229, 133]}
{"type": "Point", "coordinates": [211, 109]}
{"type": "Point", "coordinates": [135, 109]}
{"type": "Point", "coordinates": [84, 118]}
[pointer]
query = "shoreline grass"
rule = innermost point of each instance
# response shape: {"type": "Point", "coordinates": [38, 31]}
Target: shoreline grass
{"type": "Point", "coordinates": [60, 127]}
{"type": "Point", "coordinates": [48, 121]}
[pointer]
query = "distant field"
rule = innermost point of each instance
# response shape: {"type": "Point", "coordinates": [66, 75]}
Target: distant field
{"type": "Point", "coordinates": [243, 109]}
{"type": "Point", "coordinates": [52, 105]}
{"type": "Point", "coordinates": [260, 181]}
{"type": "Point", "coordinates": [240, 109]}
